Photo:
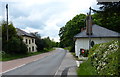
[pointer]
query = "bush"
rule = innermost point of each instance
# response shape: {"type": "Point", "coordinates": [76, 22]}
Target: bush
{"type": "Point", "coordinates": [16, 45]}
{"type": "Point", "coordinates": [72, 49]}
{"type": "Point", "coordinates": [105, 58]}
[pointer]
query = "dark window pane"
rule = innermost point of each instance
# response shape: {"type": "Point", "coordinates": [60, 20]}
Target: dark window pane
{"type": "Point", "coordinates": [26, 41]}
{"type": "Point", "coordinates": [32, 48]}
{"type": "Point", "coordinates": [29, 41]}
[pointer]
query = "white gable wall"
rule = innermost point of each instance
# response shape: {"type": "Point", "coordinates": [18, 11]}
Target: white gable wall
{"type": "Point", "coordinates": [84, 43]}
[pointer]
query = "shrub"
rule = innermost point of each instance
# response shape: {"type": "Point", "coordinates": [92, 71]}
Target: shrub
{"type": "Point", "coordinates": [105, 58]}
{"type": "Point", "coordinates": [72, 49]}
{"type": "Point", "coordinates": [16, 45]}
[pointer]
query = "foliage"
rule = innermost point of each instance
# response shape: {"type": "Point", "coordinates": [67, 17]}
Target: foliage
{"type": "Point", "coordinates": [14, 44]}
{"type": "Point", "coordinates": [86, 69]}
{"type": "Point", "coordinates": [43, 44]}
{"type": "Point", "coordinates": [105, 17]}
{"type": "Point", "coordinates": [49, 43]}
{"type": "Point", "coordinates": [71, 28]}
{"type": "Point", "coordinates": [7, 57]}
{"type": "Point", "coordinates": [105, 59]}
{"type": "Point", "coordinates": [38, 41]}
{"type": "Point", "coordinates": [108, 16]}
{"type": "Point", "coordinates": [68, 48]}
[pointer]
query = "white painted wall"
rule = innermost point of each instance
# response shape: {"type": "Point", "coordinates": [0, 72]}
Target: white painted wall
{"type": "Point", "coordinates": [31, 44]}
{"type": "Point", "coordinates": [84, 43]}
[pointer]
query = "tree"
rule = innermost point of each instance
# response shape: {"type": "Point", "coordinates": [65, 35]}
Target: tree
{"type": "Point", "coordinates": [15, 44]}
{"type": "Point", "coordinates": [43, 43]}
{"type": "Point", "coordinates": [108, 15]}
{"type": "Point", "coordinates": [71, 28]}
{"type": "Point", "coordinates": [38, 41]}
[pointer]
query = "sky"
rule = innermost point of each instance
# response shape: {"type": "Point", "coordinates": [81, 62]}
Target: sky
{"type": "Point", "coordinates": [44, 16]}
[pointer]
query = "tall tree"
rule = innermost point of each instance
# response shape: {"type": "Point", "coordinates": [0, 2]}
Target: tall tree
{"type": "Point", "coordinates": [108, 15]}
{"type": "Point", "coordinates": [71, 28]}
{"type": "Point", "coordinates": [15, 43]}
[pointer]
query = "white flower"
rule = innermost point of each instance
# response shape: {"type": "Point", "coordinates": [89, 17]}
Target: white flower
{"type": "Point", "coordinates": [98, 68]}
{"type": "Point", "coordinates": [104, 63]}
{"type": "Point", "coordinates": [96, 59]}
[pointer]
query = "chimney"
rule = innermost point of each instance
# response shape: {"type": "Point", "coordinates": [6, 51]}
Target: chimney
{"type": "Point", "coordinates": [89, 23]}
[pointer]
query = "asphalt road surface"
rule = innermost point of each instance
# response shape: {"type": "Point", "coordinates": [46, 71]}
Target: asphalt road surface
{"type": "Point", "coordinates": [45, 66]}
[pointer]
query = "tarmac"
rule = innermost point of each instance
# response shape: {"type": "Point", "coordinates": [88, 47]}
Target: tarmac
{"type": "Point", "coordinates": [68, 66]}
{"type": "Point", "coordinates": [66, 69]}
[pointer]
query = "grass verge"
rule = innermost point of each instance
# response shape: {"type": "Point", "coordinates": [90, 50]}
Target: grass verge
{"type": "Point", "coordinates": [86, 69]}
{"type": "Point", "coordinates": [67, 48]}
{"type": "Point", "coordinates": [7, 57]}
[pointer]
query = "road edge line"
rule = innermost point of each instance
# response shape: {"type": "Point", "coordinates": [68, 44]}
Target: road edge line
{"type": "Point", "coordinates": [12, 68]}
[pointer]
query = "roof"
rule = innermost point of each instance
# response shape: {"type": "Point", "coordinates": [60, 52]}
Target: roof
{"type": "Point", "coordinates": [23, 33]}
{"type": "Point", "coordinates": [98, 31]}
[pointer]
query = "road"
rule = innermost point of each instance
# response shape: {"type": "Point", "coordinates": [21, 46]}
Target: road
{"type": "Point", "coordinates": [45, 66]}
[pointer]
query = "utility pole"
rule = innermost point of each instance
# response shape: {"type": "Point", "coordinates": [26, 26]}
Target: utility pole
{"type": "Point", "coordinates": [7, 19]}
{"type": "Point", "coordinates": [90, 25]}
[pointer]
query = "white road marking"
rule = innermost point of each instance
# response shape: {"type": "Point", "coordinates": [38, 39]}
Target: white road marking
{"type": "Point", "coordinates": [57, 70]}
{"type": "Point", "coordinates": [12, 69]}
{"type": "Point", "coordinates": [59, 67]}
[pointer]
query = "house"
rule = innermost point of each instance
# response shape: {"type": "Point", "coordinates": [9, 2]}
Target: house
{"type": "Point", "coordinates": [96, 34]}
{"type": "Point", "coordinates": [28, 39]}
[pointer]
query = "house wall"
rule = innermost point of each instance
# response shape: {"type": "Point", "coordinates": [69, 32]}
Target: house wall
{"type": "Point", "coordinates": [84, 43]}
{"type": "Point", "coordinates": [30, 42]}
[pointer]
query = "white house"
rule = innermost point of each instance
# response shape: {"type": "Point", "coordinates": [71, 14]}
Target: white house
{"type": "Point", "coordinates": [28, 39]}
{"type": "Point", "coordinates": [97, 34]}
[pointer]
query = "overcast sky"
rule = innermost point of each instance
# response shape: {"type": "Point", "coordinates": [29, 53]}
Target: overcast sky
{"type": "Point", "coordinates": [44, 16]}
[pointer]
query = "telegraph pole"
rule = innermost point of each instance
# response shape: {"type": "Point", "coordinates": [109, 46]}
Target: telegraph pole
{"type": "Point", "coordinates": [7, 19]}
{"type": "Point", "coordinates": [90, 25]}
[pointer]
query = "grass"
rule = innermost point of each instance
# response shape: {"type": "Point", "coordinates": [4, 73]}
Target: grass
{"type": "Point", "coordinates": [7, 57]}
{"type": "Point", "coordinates": [67, 48]}
{"type": "Point", "coordinates": [86, 69]}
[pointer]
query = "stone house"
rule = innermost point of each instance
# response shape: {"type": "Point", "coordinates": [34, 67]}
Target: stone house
{"type": "Point", "coordinates": [28, 39]}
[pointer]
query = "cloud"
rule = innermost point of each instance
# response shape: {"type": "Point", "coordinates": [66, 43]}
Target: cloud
{"type": "Point", "coordinates": [44, 16]}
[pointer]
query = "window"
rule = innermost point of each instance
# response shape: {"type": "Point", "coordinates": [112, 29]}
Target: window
{"type": "Point", "coordinates": [26, 41]}
{"type": "Point", "coordinates": [29, 49]}
{"type": "Point", "coordinates": [32, 48]}
{"type": "Point", "coordinates": [92, 43]}
{"type": "Point", "coordinates": [32, 40]}
{"type": "Point", "coordinates": [29, 41]}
